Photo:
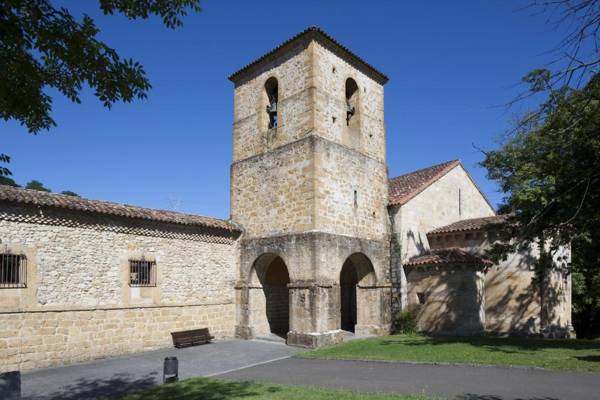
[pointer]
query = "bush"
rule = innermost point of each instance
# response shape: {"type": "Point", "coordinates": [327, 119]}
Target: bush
{"type": "Point", "coordinates": [405, 322]}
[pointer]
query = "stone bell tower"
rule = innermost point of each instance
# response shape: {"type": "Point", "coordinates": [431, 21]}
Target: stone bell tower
{"type": "Point", "coordinates": [309, 187]}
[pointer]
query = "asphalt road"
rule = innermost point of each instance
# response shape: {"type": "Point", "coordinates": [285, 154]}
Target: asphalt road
{"type": "Point", "coordinates": [109, 378]}
{"type": "Point", "coordinates": [449, 381]}
{"type": "Point", "coordinates": [269, 362]}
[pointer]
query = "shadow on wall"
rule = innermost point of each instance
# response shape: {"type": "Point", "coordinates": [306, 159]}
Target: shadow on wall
{"type": "Point", "coordinates": [451, 301]}
{"type": "Point", "coordinates": [520, 303]}
{"type": "Point", "coordinates": [417, 242]}
{"type": "Point", "coordinates": [512, 300]}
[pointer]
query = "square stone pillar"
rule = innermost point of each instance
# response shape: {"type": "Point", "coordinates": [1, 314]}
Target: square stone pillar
{"type": "Point", "coordinates": [373, 310]}
{"type": "Point", "coordinates": [314, 314]}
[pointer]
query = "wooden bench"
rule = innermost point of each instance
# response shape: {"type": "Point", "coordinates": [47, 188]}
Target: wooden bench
{"type": "Point", "coordinates": [191, 338]}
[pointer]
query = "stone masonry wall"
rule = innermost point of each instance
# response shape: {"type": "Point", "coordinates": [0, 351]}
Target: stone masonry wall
{"type": "Point", "coordinates": [52, 338]}
{"type": "Point", "coordinates": [78, 303]}
{"type": "Point", "coordinates": [453, 299]}
{"type": "Point", "coordinates": [273, 193]}
{"type": "Point", "coordinates": [351, 192]}
{"type": "Point", "coordinates": [309, 173]}
{"type": "Point", "coordinates": [293, 72]}
{"type": "Point", "coordinates": [436, 206]}
{"type": "Point", "coordinates": [330, 74]}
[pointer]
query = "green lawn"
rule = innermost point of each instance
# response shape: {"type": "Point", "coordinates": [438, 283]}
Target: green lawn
{"type": "Point", "coordinates": [215, 389]}
{"type": "Point", "coordinates": [572, 355]}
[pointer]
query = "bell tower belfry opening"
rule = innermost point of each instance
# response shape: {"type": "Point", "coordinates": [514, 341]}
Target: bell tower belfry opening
{"type": "Point", "coordinates": [309, 187]}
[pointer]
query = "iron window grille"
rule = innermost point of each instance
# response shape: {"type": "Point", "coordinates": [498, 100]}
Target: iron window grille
{"type": "Point", "coordinates": [142, 273]}
{"type": "Point", "coordinates": [13, 270]}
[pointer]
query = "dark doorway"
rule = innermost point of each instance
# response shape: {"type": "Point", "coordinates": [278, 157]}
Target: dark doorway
{"type": "Point", "coordinates": [348, 282]}
{"type": "Point", "coordinates": [277, 297]}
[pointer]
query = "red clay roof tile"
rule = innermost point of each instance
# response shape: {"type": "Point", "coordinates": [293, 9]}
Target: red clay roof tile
{"type": "Point", "coordinates": [39, 198]}
{"type": "Point", "coordinates": [472, 224]}
{"type": "Point", "coordinates": [447, 256]}
{"type": "Point", "coordinates": [405, 187]}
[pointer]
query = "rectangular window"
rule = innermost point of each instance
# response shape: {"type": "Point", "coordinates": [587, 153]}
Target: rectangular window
{"type": "Point", "coordinates": [142, 273]}
{"type": "Point", "coordinates": [421, 297]}
{"type": "Point", "coordinates": [13, 271]}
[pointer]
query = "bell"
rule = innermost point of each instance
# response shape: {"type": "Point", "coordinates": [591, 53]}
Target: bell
{"type": "Point", "coordinates": [349, 109]}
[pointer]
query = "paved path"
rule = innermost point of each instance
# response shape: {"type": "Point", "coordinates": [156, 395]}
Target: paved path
{"type": "Point", "coordinates": [453, 382]}
{"type": "Point", "coordinates": [111, 377]}
{"type": "Point", "coordinates": [263, 361]}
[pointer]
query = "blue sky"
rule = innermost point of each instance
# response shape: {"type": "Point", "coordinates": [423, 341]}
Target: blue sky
{"type": "Point", "coordinates": [452, 66]}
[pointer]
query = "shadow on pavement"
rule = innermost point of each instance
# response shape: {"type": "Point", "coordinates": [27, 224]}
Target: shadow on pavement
{"type": "Point", "coordinates": [111, 388]}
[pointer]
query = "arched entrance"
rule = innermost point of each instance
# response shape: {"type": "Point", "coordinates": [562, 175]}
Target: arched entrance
{"type": "Point", "coordinates": [269, 297]}
{"type": "Point", "coordinates": [277, 297]}
{"type": "Point", "coordinates": [357, 270]}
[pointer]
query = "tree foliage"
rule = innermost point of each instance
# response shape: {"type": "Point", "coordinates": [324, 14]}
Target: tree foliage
{"type": "Point", "coordinates": [550, 167]}
{"type": "Point", "coordinates": [549, 164]}
{"type": "Point", "coordinates": [37, 185]}
{"type": "Point", "coordinates": [43, 47]}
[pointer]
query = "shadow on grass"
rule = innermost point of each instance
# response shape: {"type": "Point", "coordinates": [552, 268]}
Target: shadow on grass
{"type": "Point", "coordinates": [505, 345]}
{"type": "Point", "coordinates": [116, 386]}
{"type": "Point", "coordinates": [471, 396]}
{"type": "Point", "coordinates": [202, 389]}
{"type": "Point", "coordinates": [589, 358]}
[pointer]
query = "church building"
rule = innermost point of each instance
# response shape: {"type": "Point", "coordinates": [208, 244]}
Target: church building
{"type": "Point", "coordinates": [320, 244]}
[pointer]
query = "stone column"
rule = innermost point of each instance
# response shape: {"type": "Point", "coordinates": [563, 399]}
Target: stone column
{"type": "Point", "coordinates": [373, 309]}
{"type": "Point", "coordinates": [251, 312]}
{"type": "Point", "coordinates": [314, 314]}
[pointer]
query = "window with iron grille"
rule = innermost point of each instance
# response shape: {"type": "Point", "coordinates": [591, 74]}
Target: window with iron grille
{"type": "Point", "coordinates": [13, 271]}
{"type": "Point", "coordinates": [142, 273]}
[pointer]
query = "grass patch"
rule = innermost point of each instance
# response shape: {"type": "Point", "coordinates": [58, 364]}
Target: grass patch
{"type": "Point", "coordinates": [217, 389]}
{"type": "Point", "coordinates": [570, 355]}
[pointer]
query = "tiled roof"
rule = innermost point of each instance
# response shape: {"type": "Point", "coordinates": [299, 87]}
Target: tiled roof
{"type": "Point", "coordinates": [316, 33]}
{"type": "Point", "coordinates": [405, 187]}
{"type": "Point", "coordinates": [446, 256]}
{"type": "Point", "coordinates": [39, 198]}
{"type": "Point", "coordinates": [472, 224]}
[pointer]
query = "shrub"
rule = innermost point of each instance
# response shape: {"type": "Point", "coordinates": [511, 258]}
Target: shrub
{"type": "Point", "coordinates": [405, 322]}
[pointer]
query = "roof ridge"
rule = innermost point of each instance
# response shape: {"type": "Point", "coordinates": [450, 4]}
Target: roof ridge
{"type": "Point", "coordinates": [426, 168]}
{"type": "Point", "coordinates": [407, 192]}
{"type": "Point", "coordinates": [58, 200]}
{"type": "Point", "coordinates": [313, 29]}
{"type": "Point", "coordinates": [471, 224]}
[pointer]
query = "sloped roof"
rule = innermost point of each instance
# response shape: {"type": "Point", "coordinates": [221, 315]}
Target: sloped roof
{"type": "Point", "coordinates": [472, 224]}
{"type": "Point", "coordinates": [316, 33]}
{"type": "Point", "coordinates": [39, 198]}
{"type": "Point", "coordinates": [447, 256]}
{"type": "Point", "coordinates": [404, 187]}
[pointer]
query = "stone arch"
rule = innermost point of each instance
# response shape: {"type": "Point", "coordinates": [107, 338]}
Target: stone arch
{"type": "Point", "coordinates": [269, 296]}
{"type": "Point", "coordinates": [357, 275]}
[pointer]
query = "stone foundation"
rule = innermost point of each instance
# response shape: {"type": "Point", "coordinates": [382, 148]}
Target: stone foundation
{"type": "Point", "coordinates": [314, 340]}
{"type": "Point", "coordinates": [54, 338]}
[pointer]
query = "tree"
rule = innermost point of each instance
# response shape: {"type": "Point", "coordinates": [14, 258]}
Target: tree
{"type": "Point", "coordinates": [550, 167]}
{"type": "Point", "coordinates": [579, 47]}
{"type": "Point", "coordinates": [5, 180]}
{"type": "Point", "coordinates": [43, 47]}
{"type": "Point", "coordinates": [69, 193]}
{"type": "Point", "coordinates": [549, 164]}
{"type": "Point", "coordinates": [37, 185]}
